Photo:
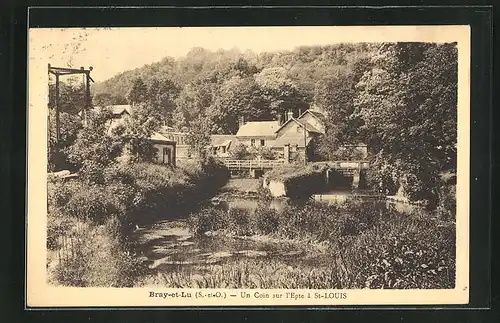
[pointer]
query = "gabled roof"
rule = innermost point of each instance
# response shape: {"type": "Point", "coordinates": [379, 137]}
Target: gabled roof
{"type": "Point", "coordinates": [316, 114]}
{"type": "Point", "coordinates": [258, 129]}
{"type": "Point", "coordinates": [222, 140]}
{"type": "Point", "coordinates": [116, 109]}
{"type": "Point", "coordinates": [308, 127]}
{"type": "Point", "coordinates": [160, 138]}
{"type": "Point", "coordinates": [119, 109]}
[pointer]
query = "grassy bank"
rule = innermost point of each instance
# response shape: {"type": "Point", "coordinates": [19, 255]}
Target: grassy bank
{"type": "Point", "coordinates": [89, 222]}
{"type": "Point", "coordinates": [370, 245]}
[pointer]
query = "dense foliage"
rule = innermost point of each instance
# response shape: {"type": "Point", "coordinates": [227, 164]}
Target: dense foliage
{"type": "Point", "coordinates": [408, 103]}
{"type": "Point", "coordinates": [226, 85]}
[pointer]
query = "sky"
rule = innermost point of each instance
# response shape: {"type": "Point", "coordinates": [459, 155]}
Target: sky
{"type": "Point", "coordinates": [114, 50]}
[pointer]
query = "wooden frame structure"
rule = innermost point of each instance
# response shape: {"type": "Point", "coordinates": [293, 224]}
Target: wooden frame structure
{"type": "Point", "coordinates": [62, 71]}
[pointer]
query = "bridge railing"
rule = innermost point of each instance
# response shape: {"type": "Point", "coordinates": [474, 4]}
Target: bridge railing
{"type": "Point", "coordinates": [352, 164]}
{"type": "Point", "coordinates": [263, 163]}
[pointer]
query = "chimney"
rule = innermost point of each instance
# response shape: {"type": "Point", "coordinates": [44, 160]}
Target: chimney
{"type": "Point", "coordinates": [289, 115]}
{"type": "Point", "coordinates": [241, 121]}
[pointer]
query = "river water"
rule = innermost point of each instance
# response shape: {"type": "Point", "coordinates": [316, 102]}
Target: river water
{"type": "Point", "coordinates": [168, 244]}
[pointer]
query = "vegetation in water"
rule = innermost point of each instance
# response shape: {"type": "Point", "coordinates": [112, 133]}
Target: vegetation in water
{"type": "Point", "coordinates": [370, 245]}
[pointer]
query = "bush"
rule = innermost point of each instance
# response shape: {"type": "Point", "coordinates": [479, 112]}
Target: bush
{"type": "Point", "coordinates": [209, 219]}
{"type": "Point", "coordinates": [95, 256]}
{"type": "Point", "coordinates": [239, 222]}
{"type": "Point", "coordinates": [371, 245]}
{"type": "Point", "coordinates": [266, 220]}
{"type": "Point", "coordinates": [447, 206]}
{"type": "Point", "coordinates": [402, 252]}
{"type": "Point", "coordinates": [240, 151]}
{"type": "Point", "coordinates": [91, 204]}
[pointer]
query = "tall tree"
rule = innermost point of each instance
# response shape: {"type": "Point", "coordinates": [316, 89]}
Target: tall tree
{"type": "Point", "coordinates": [95, 148]}
{"type": "Point", "coordinates": [106, 99]}
{"type": "Point", "coordinates": [72, 97]}
{"type": "Point", "coordinates": [139, 128]}
{"type": "Point", "coordinates": [193, 100]}
{"type": "Point", "coordinates": [198, 137]}
{"type": "Point", "coordinates": [138, 92]}
{"type": "Point", "coordinates": [237, 97]}
{"type": "Point", "coordinates": [335, 95]}
{"type": "Point", "coordinates": [408, 103]}
{"type": "Point", "coordinates": [280, 91]}
{"type": "Point", "coordinates": [161, 95]}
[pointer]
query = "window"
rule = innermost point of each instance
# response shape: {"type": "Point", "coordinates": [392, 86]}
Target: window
{"type": "Point", "coordinates": [223, 149]}
{"type": "Point", "coordinates": [299, 129]}
{"type": "Point", "coordinates": [262, 142]}
{"type": "Point", "coordinates": [252, 142]}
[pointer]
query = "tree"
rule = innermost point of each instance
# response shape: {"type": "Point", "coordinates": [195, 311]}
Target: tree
{"type": "Point", "coordinates": [198, 137]}
{"type": "Point", "coordinates": [336, 96]}
{"type": "Point", "coordinates": [138, 130]}
{"type": "Point", "coordinates": [106, 99]}
{"type": "Point", "coordinates": [193, 101]}
{"type": "Point", "coordinates": [237, 97]}
{"type": "Point", "coordinates": [408, 103]}
{"type": "Point", "coordinates": [70, 125]}
{"type": "Point", "coordinates": [280, 91]}
{"type": "Point", "coordinates": [95, 148]}
{"type": "Point", "coordinates": [161, 95]}
{"type": "Point", "coordinates": [138, 92]}
{"type": "Point", "coordinates": [72, 97]}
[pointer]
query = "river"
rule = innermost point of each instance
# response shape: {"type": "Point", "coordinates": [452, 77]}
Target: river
{"type": "Point", "coordinates": [169, 246]}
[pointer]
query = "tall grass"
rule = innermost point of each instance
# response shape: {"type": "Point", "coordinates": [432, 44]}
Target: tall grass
{"type": "Point", "coordinates": [248, 273]}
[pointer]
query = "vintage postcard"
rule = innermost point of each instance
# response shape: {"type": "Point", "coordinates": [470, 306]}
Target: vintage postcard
{"type": "Point", "coordinates": [248, 166]}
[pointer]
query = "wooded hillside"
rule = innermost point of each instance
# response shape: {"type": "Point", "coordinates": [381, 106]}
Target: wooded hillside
{"type": "Point", "coordinates": [399, 98]}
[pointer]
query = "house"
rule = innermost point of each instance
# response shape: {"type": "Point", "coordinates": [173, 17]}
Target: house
{"type": "Point", "coordinates": [165, 147]}
{"type": "Point", "coordinates": [221, 144]}
{"type": "Point", "coordinates": [182, 151]}
{"type": "Point", "coordinates": [258, 133]}
{"type": "Point", "coordinates": [290, 138]}
{"type": "Point", "coordinates": [314, 118]}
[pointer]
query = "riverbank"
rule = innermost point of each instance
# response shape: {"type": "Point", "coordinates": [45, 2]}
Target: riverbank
{"type": "Point", "coordinates": [91, 223]}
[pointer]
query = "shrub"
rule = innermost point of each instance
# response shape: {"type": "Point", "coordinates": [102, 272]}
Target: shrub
{"type": "Point", "coordinates": [209, 219]}
{"type": "Point", "coordinates": [240, 151]}
{"type": "Point", "coordinates": [447, 207]}
{"type": "Point", "coordinates": [239, 222]}
{"type": "Point", "coordinates": [371, 245]}
{"type": "Point", "coordinates": [402, 252]}
{"type": "Point", "coordinates": [265, 220]}
{"type": "Point", "coordinates": [95, 256]}
{"type": "Point", "coordinates": [91, 204]}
